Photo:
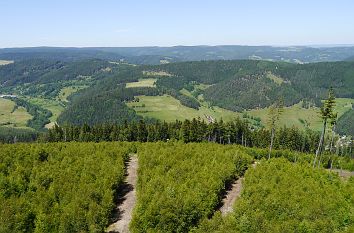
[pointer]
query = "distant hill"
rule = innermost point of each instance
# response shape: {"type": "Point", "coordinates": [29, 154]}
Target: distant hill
{"type": "Point", "coordinates": [94, 91]}
{"type": "Point", "coordinates": [161, 55]}
{"type": "Point", "coordinates": [350, 58]}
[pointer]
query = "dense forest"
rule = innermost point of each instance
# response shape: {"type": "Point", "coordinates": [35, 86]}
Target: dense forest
{"type": "Point", "coordinates": [196, 130]}
{"type": "Point", "coordinates": [345, 123]}
{"type": "Point", "coordinates": [179, 185]}
{"type": "Point", "coordinates": [13, 135]}
{"type": "Point", "coordinates": [238, 85]}
{"type": "Point", "coordinates": [311, 203]}
{"type": "Point", "coordinates": [59, 187]}
{"type": "Point", "coordinates": [72, 187]}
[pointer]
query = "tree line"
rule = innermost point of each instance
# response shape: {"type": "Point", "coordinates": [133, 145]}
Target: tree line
{"type": "Point", "coordinates": [196, 130]}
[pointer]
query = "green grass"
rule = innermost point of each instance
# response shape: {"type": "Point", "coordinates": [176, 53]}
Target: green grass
{"type": "Point", "coordinates": [5, 62]}
{"type": "Point", "coordinates": [52, 105]}
{"type": "Point", "coordinates": [169, 109]}
{"type": "Point", "coordinates": [156, 73]}
{"type": "Point", "coordinates": [67, 91]}
{"type": "Point", "coordinates": [275, 78]}
{"type": "Point", "coordinates": [299, 117]}
{"type": "Point", "coordinates": [292, 116]}
{"type": "Point", "coordinates": [147, 82]}
{"type": "Point", "coordinates": [10, 118]}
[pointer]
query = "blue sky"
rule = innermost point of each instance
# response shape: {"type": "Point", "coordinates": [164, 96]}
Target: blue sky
{"type": "Point", "coordinates": [83, 23]}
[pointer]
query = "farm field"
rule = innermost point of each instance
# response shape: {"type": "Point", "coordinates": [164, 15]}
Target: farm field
{"type": "Point", "coordinates": [147, 82]}
{"type": "Point", "coordinates": [167, 108]}
{"type": "Point", "coordinates": [11, 117]}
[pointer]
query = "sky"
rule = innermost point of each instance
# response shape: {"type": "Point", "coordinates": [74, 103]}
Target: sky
{"type": "Point", "coordinates": [122, 23]}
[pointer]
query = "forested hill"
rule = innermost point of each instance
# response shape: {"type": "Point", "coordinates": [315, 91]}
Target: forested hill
{"type": "Point", "coordinates": [98, 91]}
{"type": "Point", "coordinates": [238, 85]}
{"type": "Point", "coordinates": [161, 55]}
{"type": "Point", "coordinates": [234, 85]}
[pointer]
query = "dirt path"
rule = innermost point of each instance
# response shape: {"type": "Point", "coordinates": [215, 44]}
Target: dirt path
{"type": "Point", "coordinates": [343, 173]}
{"type": "Point", "coordinates": [232, 195]}
{"type": "Point", "coordinates": [126, 201]}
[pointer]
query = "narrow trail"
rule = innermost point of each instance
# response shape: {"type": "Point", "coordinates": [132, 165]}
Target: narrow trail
{"type": "Point", "coordinates": [127, 200]}
{"type": "Point", "coordinates": [232, 195]}
{"type": "Point", "coordinates": [343, 173]}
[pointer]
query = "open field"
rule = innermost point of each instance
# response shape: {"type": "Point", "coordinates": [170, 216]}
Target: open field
{"type": "Point", "coordinates": [67, 91]}
{"type": "Point", "coordinates": [300, 117]}
{"type": "Point", "coordinates": [11, 118]}
{"type": "Point", "coordinates": [54, 106]}
{"type": "Point", "coordinates": [169, 109]}
{"type": "Point", "coordinates": [5, 62]}
{"type": "Point", "coordinates": [147, 82]}
{"type": "Point", "coordinates": [157, 73]}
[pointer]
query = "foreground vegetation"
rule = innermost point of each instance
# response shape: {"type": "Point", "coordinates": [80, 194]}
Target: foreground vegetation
{"type": "Point", "coordinates": [71, 187]}
{"type": "Point", "coordinates": [61, 187]}
{"type": "Point", "coordinates": [180, 184]}
{"type": "Point", "coordinates": [279, 196]}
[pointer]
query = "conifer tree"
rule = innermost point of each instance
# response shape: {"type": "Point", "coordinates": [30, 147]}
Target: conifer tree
{"type": "Point", "coordinates": [275, 112]}
{"type": "Point", "coordinates": [326, 114]}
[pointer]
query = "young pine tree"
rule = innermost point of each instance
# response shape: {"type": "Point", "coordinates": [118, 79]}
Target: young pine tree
{"type": "Point", "coordinates": [326, 115]}
{"type": "Point", "coordinates": [275, 112]}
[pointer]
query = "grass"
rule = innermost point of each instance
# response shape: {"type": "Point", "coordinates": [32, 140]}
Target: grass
{"type": "Point", "coordinates": [299, 117]}
{"type": "Point", "coordinates": [157, 73]}
{"type": "Point", "coordinates": [52, 105]}
{"type": "Point", "coordinates": [292, 116]}
{"type": "Point", "coordinates": [146, 82]}
{"type": "Point", "coordinates": [5, 62]}
{"type": "Point", "coordinates": [10, 118]}
{"type": "Point", "coordinates": [169, 109]}
{"type": "Point", "coordinates": [67, 91]}
{"type": "Point", "coordinates": [275, 78]}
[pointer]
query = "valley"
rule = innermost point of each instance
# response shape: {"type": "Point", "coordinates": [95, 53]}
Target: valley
{"type": "Point", "coordinates": [177, 116]}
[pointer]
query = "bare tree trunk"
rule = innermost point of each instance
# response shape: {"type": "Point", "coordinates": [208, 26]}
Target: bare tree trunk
{"type": "Point", "coordinates": [319, 148]}
{"type": "Point", "coordinates": [271, 142]}
{"type": "Point", "coordinates": [331, 146]}
{"type": "Point", "coordinates": [332, 139]}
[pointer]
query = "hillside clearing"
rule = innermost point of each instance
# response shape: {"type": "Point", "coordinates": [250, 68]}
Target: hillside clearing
{"type": "Point", "coordinates": [148, 82]}
{"type": "Point", "coordinates": [298, 116]}
{"type": "Point", "coordinates": [11, 116]}
{"type": "Point", "coordinates": [52, 105]}
{"type": "Point", "coordinates": [67, 91]}
{"type": "Point", "coordinates": [157, 73]}
{"type": "Point", "coordinates": [167, 108]}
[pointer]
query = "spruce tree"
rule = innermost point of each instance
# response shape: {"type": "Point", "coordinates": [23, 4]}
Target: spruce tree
{"type": "Point", "coordinates": [275, 112]}
{"type": "Point", "coordinates": [326, 114]}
